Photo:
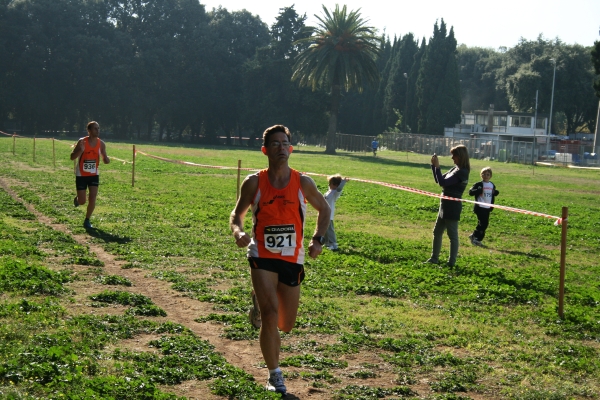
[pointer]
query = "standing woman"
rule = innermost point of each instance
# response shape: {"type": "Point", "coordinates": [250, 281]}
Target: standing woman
{"type": "Point", "coordinates": [453, 183]}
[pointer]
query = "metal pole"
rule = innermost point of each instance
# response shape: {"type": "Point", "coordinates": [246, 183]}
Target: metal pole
{"type": "Point", "coordinates": [563, 250]}
{"type": "Point", "coordinates": [597, 123]}
{"type": "Point", "coordinates": [534, 126]}
{"type": "Point", "coordinates": [405, 102]}
{"type": "Point", "coordinates": [133, 168]}
{"type": "Point", "coordinates": [552, 98]}
{"type": "Point", "coordinates": [238, 179]}
{"type": "Point", "coordinates": [512, 147]}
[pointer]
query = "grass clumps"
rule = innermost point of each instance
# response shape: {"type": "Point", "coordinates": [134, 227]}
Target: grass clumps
{"type": "Point", "coordinates": [27, 278]}
{"type": "Point", "coordinates": [140, 304]}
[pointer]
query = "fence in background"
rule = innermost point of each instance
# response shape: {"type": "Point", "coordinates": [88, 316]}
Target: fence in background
{"type": "Point", "coordinates": [563, 153]}
{"type": "Point", "coordinates": [479, 148]}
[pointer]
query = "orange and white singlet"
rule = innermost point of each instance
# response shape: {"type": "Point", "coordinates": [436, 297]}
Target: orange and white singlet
{"type": "Point", "coordinates": [278, 220]}
{"type": "Point", "coordinates": [87, 164]}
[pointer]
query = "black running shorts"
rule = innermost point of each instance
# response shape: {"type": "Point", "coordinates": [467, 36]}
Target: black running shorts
{"type": "Point", "coordinates": [82, 182]}
{"type": "Point", "coordinates": [290, 274]}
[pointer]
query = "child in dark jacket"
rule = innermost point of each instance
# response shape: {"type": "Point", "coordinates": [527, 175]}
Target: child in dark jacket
{"type": "Point", "coordinates": [484, 192]}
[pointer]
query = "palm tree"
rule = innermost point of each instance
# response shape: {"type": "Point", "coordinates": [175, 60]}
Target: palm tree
{"type": "Point", "coordinates": [341, 52]}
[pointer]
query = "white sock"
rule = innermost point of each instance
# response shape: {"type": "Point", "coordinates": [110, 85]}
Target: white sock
{"type": "Point", "coordinates": [272, 371]}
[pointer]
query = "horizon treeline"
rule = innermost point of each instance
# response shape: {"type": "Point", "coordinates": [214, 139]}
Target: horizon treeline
{"type": "Point", "coordinates": [168, 69]}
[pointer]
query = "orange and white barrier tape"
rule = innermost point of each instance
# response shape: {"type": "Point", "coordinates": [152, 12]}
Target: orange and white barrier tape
{"type": "Point", "coordinates": [11, 134]}
{"type": "Point", "coordinates": [118, 159]}
{"type": "Point", "coordinates": [558, 220]}
{"type": "Point", "coordinates": [37, 138]}
{"type": "Point", "coordinates": [191, 163]}
{"type": "Point", "coordinates": [63, 141]}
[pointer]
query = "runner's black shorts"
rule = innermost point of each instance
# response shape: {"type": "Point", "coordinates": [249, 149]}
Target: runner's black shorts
{"type": "Point", "coordinates": [82, 182]}
{"type": "Point", "coordinates": [290, 274]}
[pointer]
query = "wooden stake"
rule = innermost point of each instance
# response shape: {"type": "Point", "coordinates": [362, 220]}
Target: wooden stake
{"type": "Point", "coordinates": [563, 251]}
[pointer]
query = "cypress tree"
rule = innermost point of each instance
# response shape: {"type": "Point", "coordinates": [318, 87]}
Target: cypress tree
{"type": "Point", "coordinates": [385, 61]}
{"type": "Point", "coordinates": [438, 98]}
{"type": "Point", "coordinates": [444, 111]}
{"type": "Point", "coordinates": [596, 62]}
{"type": "Point", "coordinates": [396, 88]}
{"type": "Point", "coordinates": [412, 107]}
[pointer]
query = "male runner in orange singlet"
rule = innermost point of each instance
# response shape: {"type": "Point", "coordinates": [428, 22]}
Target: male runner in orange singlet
{"type": "Point", "coordinates": [277, 196]}
{"type": "Point", "coordinates": [88, 151]}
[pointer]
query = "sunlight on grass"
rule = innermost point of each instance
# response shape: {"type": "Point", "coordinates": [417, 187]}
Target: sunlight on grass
{"type": "Point", "coordinates": [486, 327]}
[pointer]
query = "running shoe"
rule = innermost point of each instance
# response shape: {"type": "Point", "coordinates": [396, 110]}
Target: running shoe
{"type": "Point", "coordinates": [474, 241]}
{"type": "Point", "coordinates": [275, 383]}
{"type": "Point", "coordinates": [254, 314]}
{"type": "Point", "coordinates": [431, 261]}
{"type": "Point", "coordinates": [76, 202]}
{"type": "Point", "coordinates": [87, 224]}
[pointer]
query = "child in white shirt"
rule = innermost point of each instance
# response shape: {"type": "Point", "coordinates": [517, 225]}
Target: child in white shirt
{"type": "Point", "coordinates": [484, 192]}
{"type": "Point", "coordinates": [336, 184]}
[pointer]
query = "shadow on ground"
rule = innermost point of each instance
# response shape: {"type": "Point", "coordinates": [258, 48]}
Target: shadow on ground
{"type": "Point", "coordinates": [107, 237]}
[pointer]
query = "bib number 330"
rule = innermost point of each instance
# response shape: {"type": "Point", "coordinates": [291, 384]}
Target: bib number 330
{"type": "Point", "coordinates": [280, 239]}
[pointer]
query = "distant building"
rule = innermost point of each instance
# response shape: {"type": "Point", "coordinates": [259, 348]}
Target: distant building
{"type": "Point", "coordinates": [500, 125]}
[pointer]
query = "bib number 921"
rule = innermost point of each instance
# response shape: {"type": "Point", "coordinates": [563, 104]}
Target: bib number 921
{"type": "Point", "coordinates": [279, 238]}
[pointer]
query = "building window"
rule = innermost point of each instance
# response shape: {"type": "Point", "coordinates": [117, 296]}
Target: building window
{"type": "Point", "coordinates": [499, 120]}
{"type": "Point", "coordinates": [521, 122]}
{"type": "Point", "coordinates": [540, 123]}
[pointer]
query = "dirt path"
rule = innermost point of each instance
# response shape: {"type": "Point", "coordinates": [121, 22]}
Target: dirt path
{"type": "Point", "coordinates": [243, 354]}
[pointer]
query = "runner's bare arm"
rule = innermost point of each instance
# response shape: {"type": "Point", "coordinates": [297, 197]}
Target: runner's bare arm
{"type": "Point", "coordinates": [316, 199]}
{"type": "Point", "coordinates": [77, 150]}
{"type": "Point", "coordinates": [103, 151]}
{"type": "Point", "coordinates": [236, 221]}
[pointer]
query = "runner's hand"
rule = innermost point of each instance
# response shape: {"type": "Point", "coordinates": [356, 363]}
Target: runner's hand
{"type": "Point", "coordinates": [314, 249]}
{"type": "Point", "coordinates": [242, 240]}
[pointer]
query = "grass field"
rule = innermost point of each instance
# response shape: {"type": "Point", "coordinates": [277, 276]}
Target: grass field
{"type": "Point", "coordinates": [374, 322]}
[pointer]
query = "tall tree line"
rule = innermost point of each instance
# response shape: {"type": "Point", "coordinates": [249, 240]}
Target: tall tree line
{"type": "Point", "coordinates": [139, 67]}
{"type": "Point", "coordinates": [444, 80]}
{"type": "Point", "coordinates": [175, 70]}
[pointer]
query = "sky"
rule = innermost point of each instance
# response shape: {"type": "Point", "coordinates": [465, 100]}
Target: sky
{"type": "Point", "coordinates": [476, 23]}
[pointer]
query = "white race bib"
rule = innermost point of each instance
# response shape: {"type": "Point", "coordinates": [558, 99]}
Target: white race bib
{"type": "Point", "coordinates": [89, 166]}
{"type": "Point", "coordinates": [281, 239]}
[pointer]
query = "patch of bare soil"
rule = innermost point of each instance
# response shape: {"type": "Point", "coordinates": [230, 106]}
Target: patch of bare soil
{"type": "Point", "coordinates": [184, 310]}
